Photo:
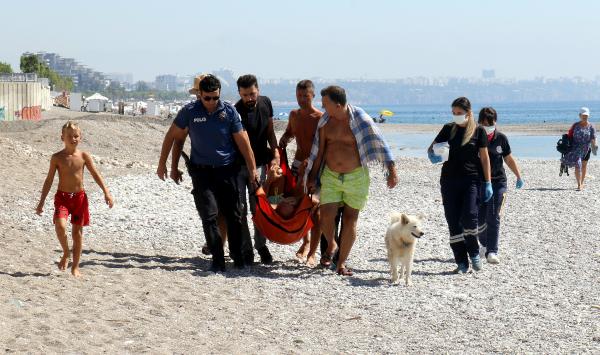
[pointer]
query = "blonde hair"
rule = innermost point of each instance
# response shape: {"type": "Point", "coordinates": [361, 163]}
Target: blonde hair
{"type": "Point", "coordinates": [71, 125]}
{"type": "Point", "coordinates": [464, 104]}
{"type": "Point", "coordinates": [469, 130]}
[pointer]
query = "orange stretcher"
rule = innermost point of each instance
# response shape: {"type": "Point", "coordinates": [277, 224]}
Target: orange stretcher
{"type": "Point", "coordinates": [276, 228]}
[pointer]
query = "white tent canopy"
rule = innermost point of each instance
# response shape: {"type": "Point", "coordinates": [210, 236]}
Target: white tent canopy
{"type": "Point", "coordinates": [97, 96]}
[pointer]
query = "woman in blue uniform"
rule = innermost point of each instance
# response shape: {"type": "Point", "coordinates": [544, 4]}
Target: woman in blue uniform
{"type": "Point", "coordinates": [489, 212]}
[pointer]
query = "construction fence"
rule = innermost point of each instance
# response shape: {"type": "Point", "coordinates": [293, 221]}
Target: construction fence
{"type": "Point", "coordinates": [23, 97]}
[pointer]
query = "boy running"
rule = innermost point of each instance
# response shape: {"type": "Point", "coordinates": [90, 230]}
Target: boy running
{"type": "Point", "coordinates": [71, 197]}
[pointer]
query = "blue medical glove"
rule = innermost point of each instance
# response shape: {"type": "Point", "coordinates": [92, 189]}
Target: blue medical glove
{"type": "Point", "coordinates": [489, 192]}
{"type": "Point", "coordinates": [520, 183]}
{"type": "Point", "coordinates": [434, 158]}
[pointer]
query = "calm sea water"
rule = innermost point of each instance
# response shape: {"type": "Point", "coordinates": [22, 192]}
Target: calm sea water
{"type": "Point", "coordinates": [415, 144]}
{"type": "Point", "coordinates": [522, 146]}
{"type": "Point", "coordinates": [517, 113]}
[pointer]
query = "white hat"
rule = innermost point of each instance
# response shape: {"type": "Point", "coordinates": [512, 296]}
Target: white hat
{"type": "Point", "coordinates": [584, 111]}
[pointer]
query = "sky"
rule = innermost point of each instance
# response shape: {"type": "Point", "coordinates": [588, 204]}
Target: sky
{"type": "Point", "coordinates": [334, 39]}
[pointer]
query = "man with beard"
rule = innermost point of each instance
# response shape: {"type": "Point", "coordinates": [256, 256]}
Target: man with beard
{"type": "Point", "coordinates": [257, 118]}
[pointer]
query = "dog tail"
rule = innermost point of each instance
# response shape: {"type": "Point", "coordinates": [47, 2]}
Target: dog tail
{"type": "Point", "coordinates": [395, 217]}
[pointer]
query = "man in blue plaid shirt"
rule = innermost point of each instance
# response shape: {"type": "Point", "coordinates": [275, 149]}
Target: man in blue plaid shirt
{"type": "Point", "coordinates": [346, 141]}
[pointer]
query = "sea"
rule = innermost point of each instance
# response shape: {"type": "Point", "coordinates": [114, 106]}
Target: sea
{"type": "Point", "coordinates": [523, 146]}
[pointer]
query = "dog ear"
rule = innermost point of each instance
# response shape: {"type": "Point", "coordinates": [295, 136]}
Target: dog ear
{"type": "Point", "coordinates": [404, 219]}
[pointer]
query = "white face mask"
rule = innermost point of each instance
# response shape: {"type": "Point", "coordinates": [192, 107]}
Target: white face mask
{"type": "Point", "coordinates": [489, 129]}
{"type": "Point", "coordinates": [459, 119]}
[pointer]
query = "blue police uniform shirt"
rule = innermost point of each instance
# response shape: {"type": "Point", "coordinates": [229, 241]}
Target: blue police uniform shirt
{"type": "Point", "coordinates": [211, 134]}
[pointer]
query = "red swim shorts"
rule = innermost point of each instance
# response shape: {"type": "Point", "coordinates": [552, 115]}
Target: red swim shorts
{"type": "Point", "coordinates": [74, 204]}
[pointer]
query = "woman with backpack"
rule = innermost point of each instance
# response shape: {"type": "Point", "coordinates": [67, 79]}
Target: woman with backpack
{"type": "Point", "coordinates": [583, 142]}
{"type": "Point", "coordinates": [489, 212]}
{"type": "Point", "coordinates": [467, 168]}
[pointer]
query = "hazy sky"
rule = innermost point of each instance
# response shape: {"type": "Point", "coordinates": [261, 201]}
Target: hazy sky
{"type": "Point", "coordinates": [312, 38]}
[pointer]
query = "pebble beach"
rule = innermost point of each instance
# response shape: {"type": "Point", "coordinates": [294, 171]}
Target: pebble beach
{"type": "Point", "coordinates": [145, 285]}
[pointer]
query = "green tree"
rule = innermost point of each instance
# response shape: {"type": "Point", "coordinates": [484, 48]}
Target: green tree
{"type": "Point", "coordinates": [5, 68]}
{"type": "Point", "coordinates": [30, 64]}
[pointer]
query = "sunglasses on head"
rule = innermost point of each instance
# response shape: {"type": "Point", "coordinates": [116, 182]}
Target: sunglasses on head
{"type": "Point", "coordinates": [209, 98]}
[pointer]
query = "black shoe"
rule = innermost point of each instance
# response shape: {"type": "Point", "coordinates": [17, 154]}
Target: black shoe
{"type": "Point", "coordinates": [265, 255]}
{"type": "Point", "coordinates": [248, 259]}
{"type": "Point", "coordinates": [238, 264]}
{"type": "Point", "coordinates": [217, 266]}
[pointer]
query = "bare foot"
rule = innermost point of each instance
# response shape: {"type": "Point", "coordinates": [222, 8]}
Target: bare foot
{"type": "Point", "coordinates": [64, 261]}
{"type": "Point", "coordinates": [75, 272]}
{"type": "Point", "coordinates": [302, 252]}
{"type": "Point", "coordinates": [311, 261]}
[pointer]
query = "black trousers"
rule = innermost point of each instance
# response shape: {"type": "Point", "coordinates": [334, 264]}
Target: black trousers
{"type": "Point", "coordinates": [461, 206]}
{"type": "Point", "coordinates": [215, 189]}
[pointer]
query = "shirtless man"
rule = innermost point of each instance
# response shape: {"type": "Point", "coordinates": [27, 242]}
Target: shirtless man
{"type": "Point", "coordinates": [302, 126]}
{"type": "Point", "coordinates": [345, 175]}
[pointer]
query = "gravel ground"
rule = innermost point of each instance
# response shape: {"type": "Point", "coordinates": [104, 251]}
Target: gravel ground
{"type": "Point", "coordinates": [146, 289]}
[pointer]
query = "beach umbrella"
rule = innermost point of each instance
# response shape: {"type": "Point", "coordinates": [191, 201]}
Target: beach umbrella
{"type": "Point", "coordinates": [386, 113]}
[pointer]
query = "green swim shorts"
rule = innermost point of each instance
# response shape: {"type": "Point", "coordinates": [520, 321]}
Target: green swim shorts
{"type": "Point", "coordinates": [350, 188]}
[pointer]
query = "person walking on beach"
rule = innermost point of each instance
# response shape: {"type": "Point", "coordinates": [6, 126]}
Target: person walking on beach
{"type": "Point", "coordinates": [489, 212]}
{"type": "Point", "coordinates": [467, 165]}
{"type": "Point", "coordinates": [302, 126]}
{"type": "Point", "coordinates": [70, 198]}
{"type": "Point", "coordinates": [215, 130]}
{"type": "Point", "coordinates": [346, 141]}
{"type": "Point", "coordinates": [583, 142]}
{"type": "Point", "coordinates": [176, 175]}
{"type": "Point", "coordinates": [257, 119]}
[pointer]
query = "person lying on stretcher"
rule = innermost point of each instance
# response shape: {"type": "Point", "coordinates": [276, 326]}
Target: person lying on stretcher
{"type": "Point", "coordinates": [284, 204]}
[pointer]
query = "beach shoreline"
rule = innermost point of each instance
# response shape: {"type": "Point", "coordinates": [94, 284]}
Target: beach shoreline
{"type": "Point", "coordinates": [280, 125]}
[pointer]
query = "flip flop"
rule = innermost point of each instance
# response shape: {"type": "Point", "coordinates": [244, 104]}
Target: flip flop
{"type": "Point", "coordinates": [327, 259]}
{"type": "Point", "coordinates": [344, 271]}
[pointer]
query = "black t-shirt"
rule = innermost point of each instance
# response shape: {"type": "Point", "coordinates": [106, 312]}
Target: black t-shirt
{"type": "Point", "coordinates": [256, 122]}
{"type": "Point", "coordinates": [463, 161]}
{"type": "Point", "coordinates": [498, 148]}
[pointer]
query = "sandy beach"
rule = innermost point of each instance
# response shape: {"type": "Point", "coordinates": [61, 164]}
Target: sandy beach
{"type": "Point", "coordinates": [145, 287]}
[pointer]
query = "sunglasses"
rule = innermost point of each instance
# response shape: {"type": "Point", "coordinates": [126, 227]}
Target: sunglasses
{"type": "Point", "coordinates": [209, 98]}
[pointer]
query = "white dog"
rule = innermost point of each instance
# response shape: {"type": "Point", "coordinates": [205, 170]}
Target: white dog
{"type": "Point", "coordinates": [400, 240]}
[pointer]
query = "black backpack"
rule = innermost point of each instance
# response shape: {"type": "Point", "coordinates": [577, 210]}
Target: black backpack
{"type": "Point", "coordinates": [564, 144]}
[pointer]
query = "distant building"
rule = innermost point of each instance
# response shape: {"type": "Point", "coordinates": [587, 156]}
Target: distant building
{"type": "Point", "coordinates": [84, 78]}
{"type": "Point", "coordinates": [123, 78]}
{"type": "Point", "coordinates": [488, 73]}
{"type": "Point", "coordinates": [166, 82]}
{"type": "Point", "coordinates": [226, 77]}
{"type": "Point", "coordinates": [185, 82]}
